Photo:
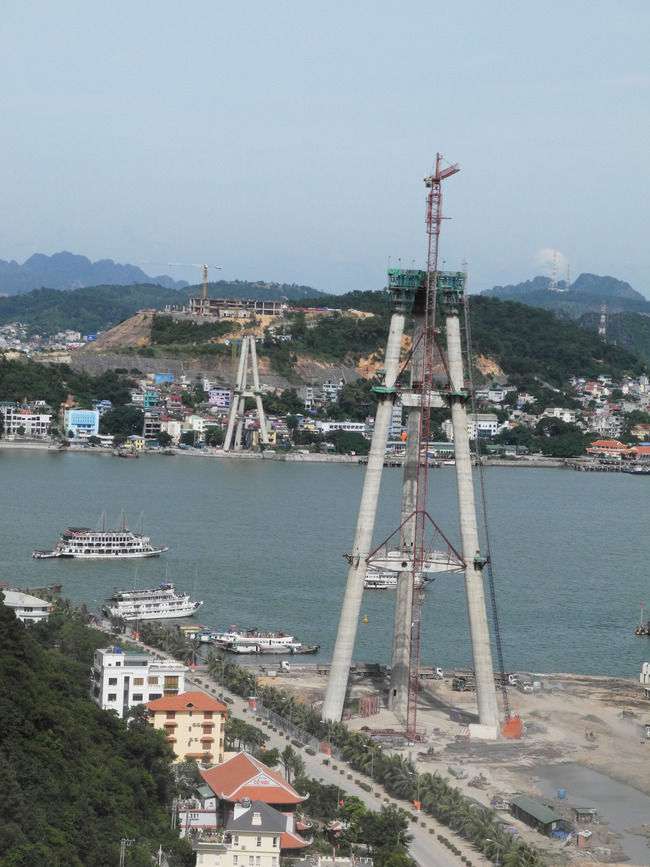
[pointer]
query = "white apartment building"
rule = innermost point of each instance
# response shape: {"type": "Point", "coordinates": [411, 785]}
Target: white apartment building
{"type": "Point", "coordinates": [326, 427]}
{"type": "Point", "coordinates": [33, 424]}
{"type": "Point", "coordinates": [479, 425]}
{"type": "Point", "coordinates": [121, 679]}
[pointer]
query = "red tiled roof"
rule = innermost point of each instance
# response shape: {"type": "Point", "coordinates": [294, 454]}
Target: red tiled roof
{"type": "Point", "coordinates": [289, 840]}
{"type": "Point", "coordinates": [187, 701]}
{"type": "Point", "coordinates": [243, 776]}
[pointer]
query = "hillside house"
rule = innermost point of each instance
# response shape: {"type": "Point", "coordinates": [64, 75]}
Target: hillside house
{"type": "Point", "coordinates": [194, 723]}
{"type": "Point", "coordinates": [122, 679]}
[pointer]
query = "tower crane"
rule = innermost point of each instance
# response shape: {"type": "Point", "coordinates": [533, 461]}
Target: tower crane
{"type": "Point", "coordinates": [181, 265]}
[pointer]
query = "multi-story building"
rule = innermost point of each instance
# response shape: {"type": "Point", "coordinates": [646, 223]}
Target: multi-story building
{"type": "Point", "coordinates": [194, 723]}
{"type": "Point", "coordinates": [257, 835]}
{"type": "Point", "coordinates": [122, 679]}
{"type": "Point", "coordinates": [219, 395]}
{"type": "Point", "coordinates": [83, 423]}
{"type": "Point", "coordinates": [28, 423]}
{"type": "Point", "coordinates": [243, 308]}
{"type": "Point", "coordinates": [326, 427]}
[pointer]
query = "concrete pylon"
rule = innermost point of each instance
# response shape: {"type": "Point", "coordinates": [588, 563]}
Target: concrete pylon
{"type": "Point", "coordinates": [240, 392]}
{"type": "Point", "coordinates": [347, 632]}
{"type": "Point", "coordinates": [401, 653]}
{"type": "Point", "coordinates": [451, 301]}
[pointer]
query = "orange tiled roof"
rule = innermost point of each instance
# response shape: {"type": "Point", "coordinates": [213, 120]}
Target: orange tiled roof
{"type": "Point", "coordinates": [289, 840]}
{"type": "Point", "coordinates": [243, 776]}
{"type": "Point", "coordinates": [194, 700]}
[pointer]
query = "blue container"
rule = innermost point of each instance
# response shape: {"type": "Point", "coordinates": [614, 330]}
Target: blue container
{"type": "Point", "coordinates": [561, 794]}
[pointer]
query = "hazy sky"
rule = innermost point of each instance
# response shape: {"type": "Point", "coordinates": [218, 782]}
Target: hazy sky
{"type": "Point", "coordinates": [287, 141]}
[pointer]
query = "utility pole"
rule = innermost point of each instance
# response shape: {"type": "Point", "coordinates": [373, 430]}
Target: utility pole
{"type": "Point", "coordinates": [124, 844]}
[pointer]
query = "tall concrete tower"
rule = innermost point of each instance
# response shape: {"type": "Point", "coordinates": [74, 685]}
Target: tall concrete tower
{"type": "Point", "coordinates": [451, 302]}
{"type": "Point", "coordinates": [240, 392]}
{"type": "Point", "coordinates": [347, 631]}
{"type": "Point", "coordinates": [424, 291]}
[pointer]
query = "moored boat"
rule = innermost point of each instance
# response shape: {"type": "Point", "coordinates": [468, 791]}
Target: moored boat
{"type": "Point", "coordinates": [252, 641]}
{"type": "Point", "coordinates": [84, 543]}
{"type": "Point", "coordinates": [158, 603]}
{"type": "Point", "coordinates": [386, 579]}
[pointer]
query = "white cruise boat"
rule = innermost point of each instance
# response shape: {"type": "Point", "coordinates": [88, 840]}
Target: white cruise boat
{"type": "Point", "coordinates": [386, 579]}
{"type": "Point", "coordinates": [251, 641]}
{"type": "Point", "coordinates": [87, 544]}
{"type": "Point", "coordinates": [159, 603]}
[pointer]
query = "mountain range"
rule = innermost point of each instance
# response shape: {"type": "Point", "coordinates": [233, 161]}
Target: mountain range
{"type": "Point", "coordinates": [67, 271]}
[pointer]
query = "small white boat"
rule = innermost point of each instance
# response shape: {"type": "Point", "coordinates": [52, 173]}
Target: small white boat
{"type": "Point", "coordinates": [159, 603]}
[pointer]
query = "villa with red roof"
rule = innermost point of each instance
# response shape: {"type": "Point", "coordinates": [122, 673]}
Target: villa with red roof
{"type": "Point", "coordinates": [194, 722]}
{"type": "Point", "coordinates": [244, 776]}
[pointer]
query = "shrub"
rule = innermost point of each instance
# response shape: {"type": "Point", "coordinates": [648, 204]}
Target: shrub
{"type": "Point", "coordinates": [310, 752]}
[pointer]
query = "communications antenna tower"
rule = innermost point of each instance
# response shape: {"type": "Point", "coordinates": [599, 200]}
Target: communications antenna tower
{"type": "Point", "coordinates": [552, 286]}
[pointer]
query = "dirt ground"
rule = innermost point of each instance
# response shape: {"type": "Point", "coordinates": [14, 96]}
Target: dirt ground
{"type": "Point", "coordinates": [590, 721]}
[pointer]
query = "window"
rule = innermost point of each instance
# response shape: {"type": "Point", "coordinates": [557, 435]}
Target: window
{"type": "Point", "coordinates": [258, 861]}
{"type": "Point", "coordinates": [275, 842]}
{"type": "Point", "coordinates": [138, 681]}
{"type": "Point", "coordinates": [274, 861]}
{"type": "Point", "coordinates": [138, 696]}
{"type": "Point", "coordinates": [152, 680]}
{"type": "Point", "coordinates": [112, 681]}
{"type": "Point", "coordinates": [251, 861]}
{"type": "Point", "coordinates": [235, 860]}
{"type": "Point", "coordinates": [235, 840]}
{"type": "Point", "coordinates": [171, 682]}
{"type": "Point", "coordinates": [171, 714]}
{"type": "Point", "coordinates": [258, 842]}
{"type": "Point", "coordinates": [207, 714]}
{"type": "Point", "coordinates": [206, 745]}
{"type": "Point", "coordinates": [112, 696]}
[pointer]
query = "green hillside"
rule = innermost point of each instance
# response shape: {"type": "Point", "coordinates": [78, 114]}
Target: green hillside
{"type": "Point", "coordinates": [75, 779]}
{"type": "Point", "coordinates": [98, 308]}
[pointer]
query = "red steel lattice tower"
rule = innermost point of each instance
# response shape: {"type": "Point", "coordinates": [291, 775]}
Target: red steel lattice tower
{"type": "Point", "coordinates": [424, 380]}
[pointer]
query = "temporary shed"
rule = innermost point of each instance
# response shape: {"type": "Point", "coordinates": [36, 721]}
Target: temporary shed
{"type": "Point", "coordinates": [537, 815]}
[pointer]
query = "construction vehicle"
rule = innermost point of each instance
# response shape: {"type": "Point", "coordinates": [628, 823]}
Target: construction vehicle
{"type": "Point", "coordinates": [464, 684]}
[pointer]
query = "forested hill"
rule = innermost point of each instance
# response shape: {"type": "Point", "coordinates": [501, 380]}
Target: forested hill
{"type": "Point", "coordinates": [75, 779]}
{"type": "Point", "coordinates": [98, 308]}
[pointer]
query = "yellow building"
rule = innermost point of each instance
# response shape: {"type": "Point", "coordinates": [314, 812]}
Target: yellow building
{"type": "Point", "coordinates": [194, 723]}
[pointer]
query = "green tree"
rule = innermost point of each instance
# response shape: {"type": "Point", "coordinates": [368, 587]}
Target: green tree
{"type": "Point", "coordinates": [122, 422]}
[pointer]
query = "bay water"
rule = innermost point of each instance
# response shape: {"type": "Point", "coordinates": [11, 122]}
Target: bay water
{"type": "Point", "coordinates": [261, 542]}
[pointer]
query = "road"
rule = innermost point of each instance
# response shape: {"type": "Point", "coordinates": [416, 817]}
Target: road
{"type": "Point", "coordinates": [425, 849]}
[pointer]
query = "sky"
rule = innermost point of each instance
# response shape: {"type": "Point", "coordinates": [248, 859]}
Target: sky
{"type": "Point", "coordinates": [288, 141]}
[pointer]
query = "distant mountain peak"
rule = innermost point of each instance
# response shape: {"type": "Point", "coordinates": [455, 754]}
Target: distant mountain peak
{"type": "Point", "coordinates": [66, 271]}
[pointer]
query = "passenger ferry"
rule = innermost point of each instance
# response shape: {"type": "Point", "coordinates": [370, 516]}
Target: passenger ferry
{"type": "Point", "coordinates": [251, 641]}
{"type": "Point", "coordinates": [386, 579]}
{"type": "Point", "coordinates": [159, 603]}
{"type": "Point", "coordinates": [87, 544]}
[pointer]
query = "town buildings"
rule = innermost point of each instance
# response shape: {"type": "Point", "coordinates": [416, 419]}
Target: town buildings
{"type": "Point", "coordinates": [122, 679]}
{"type": "Point", "coordinates": [194, 723]}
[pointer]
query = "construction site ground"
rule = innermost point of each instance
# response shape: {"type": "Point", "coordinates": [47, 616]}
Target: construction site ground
{"type": "Point", "coordinates": [595, 722]}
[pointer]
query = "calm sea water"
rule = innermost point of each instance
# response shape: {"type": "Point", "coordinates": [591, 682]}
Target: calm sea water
{"type": "Point", "coordinates": [262, 542]}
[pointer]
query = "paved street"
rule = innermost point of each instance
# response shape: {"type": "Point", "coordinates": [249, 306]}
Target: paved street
{"type": "Point", "coordinates": [424, 848]}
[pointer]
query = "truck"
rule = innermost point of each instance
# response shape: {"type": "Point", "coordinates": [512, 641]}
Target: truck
{"type": "Point", "coordinates": [463, 684]}
{"type": "Point", "coordinates": [430, 672]}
